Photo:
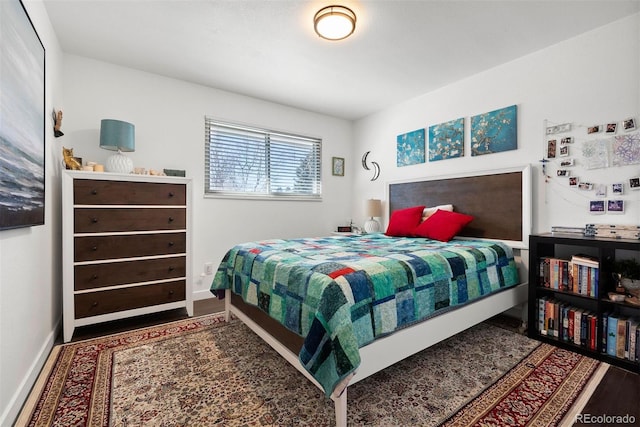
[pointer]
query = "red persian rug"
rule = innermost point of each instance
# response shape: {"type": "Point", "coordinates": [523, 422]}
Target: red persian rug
{"type": "Point", "coordinates": [539, 391]}
{"type": "Point", "coordinates": [204, 372]}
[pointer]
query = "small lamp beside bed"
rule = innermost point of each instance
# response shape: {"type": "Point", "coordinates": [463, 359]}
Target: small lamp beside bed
{"type": "Point", "coordinates": [373, 209]}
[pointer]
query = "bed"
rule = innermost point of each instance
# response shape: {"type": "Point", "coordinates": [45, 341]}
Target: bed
{"type": "Point", "coordinates": [341, 308]}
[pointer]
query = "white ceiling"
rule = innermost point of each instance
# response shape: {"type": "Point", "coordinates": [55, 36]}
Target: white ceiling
{"type": "Point", "coordinates": [267, 48]}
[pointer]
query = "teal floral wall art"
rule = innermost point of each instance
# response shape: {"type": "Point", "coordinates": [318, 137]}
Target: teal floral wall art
{"type": "Point", "coordinates": [446, 140]}
{"type": "Point", "coordinates": [494, 131]}
{"type": "Point", "coordinates": [410, 148]}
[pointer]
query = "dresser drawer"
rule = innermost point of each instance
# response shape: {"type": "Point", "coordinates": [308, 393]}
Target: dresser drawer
{"type": "Point", "coordinates": [111, 301]}
{"type": "Point", "coordinates": [92, 248]}
{"type": "Point", "coordinates": [99, 192]}
{"type": "Point", "coordinates": [91, 276]}
{"type": "Point", "coordinates": [96, 220]}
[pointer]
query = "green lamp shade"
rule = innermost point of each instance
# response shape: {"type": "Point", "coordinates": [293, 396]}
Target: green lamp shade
{"type": "Point", "coordinates": [116, 135]}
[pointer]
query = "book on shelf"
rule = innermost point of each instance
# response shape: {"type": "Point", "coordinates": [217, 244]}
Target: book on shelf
{"type": "Point", "coordinates": [633, 338]}
{"type": "Point", "coordinates": [622, 337]}
{"type": "Point", "coordinates": [613, 231]}
{"type": "Point", "coordinates": [587, 260]}
{"type": "Point", "coordinates": [580, 276]}
{"type": "Point", "coordinates": [567, 230]}
{"type": "Point", "coordinates": [605, 331]}
{"type": "Point", "coordinates": [564, 322]}
{"type": "Point", "coordinates": [612, 331]}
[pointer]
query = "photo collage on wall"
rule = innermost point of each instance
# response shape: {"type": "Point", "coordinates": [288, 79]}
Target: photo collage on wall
{"type": "Point", "coordinates": [614, 144]}
{"type": "Point", "coordinates": [492, 132]}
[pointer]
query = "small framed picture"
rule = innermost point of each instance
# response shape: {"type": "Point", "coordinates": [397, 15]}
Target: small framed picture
{"type": "Point", "coordinates": [594, 129]}
{"type": "Point", "coordinates": [566, 162]}
{"type": "Point", "coordinates": [601, 190]}
{"type": "Point", "coordinates": [596, 207]}
{"type": "Point", "coordinates": [617, 188]}
{"type": "Point", "coordinates": [634, 183]}
{"type": "Point", "coordinates": [585, 186]}
{"type": "Point", "coordinates": [337, 166]}
{"type": "Point", "coordinates": [564, 151]}
{"type": "Point", "coordinates": [573, 181]}
{"type": "Point", "coordinates": [551, 149]}
{"type": "Point", "coordinates": [566, 140]}
{"type": "Point", "coordinates": [629, 124]}
{"type": "Point", "coordinates": [611, 128]}
{"type": "Point", "coordinates": [563, 172]}
{"type": "Point", "coordinates": [615, 206]}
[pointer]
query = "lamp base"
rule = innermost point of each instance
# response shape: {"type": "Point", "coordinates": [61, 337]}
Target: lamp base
{"type": "Point", "coordinates": [371, 226]}
{"type": "Point", "coordinates": [119, 163]}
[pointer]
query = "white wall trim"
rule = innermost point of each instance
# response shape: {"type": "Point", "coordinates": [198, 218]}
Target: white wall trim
{"type": "Point", "coordinates": [24, 389]}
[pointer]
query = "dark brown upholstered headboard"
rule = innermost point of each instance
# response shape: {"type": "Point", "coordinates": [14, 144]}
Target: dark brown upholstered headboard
{"type": "Point", "coordinates": [498, 200]}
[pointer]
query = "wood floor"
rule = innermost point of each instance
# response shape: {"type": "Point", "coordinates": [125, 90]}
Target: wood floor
{"type": "Point", "coordinates": [618, 394]}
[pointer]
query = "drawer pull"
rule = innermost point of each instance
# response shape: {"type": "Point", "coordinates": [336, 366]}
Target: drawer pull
{"type": "Point", "coordinates": [172, 268]}
{"type": "Point", "coordinates": [171, 244]}
{"type": "Point", "coordinates": [94, 248]}
{"type": "Point", "coordinates": [170, 293]}
{"type": "Point", "coordinates": [94, 192]}
{"type": "Point", "coordinates": [94, 220]}
{"type": "Point", "coordinates": [171, 194]}
{"type": "Point", "coordinates": [170, 219]}
{"type": "Point", "coordinates": [94, 277]}
{"type": "Point", "coordinates": [94, 304]}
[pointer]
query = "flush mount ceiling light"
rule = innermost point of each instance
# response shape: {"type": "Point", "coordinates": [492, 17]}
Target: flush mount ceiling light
{"type": "Point", "coordinates": [334, 22]}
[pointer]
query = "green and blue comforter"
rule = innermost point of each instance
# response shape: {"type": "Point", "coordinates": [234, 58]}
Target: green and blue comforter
{"type": "Point", "coordinates": [342, 292]}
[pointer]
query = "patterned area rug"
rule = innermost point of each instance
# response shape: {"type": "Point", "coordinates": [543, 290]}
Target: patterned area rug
{"type": "Point", "coordinates": [203, 372]}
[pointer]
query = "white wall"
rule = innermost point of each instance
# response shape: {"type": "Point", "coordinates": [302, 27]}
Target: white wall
{"type": "Point", "coordinates": [30, 273]}
{"type": "Point", "coordinates": [591, 79]}
{"type": "Point", "coordinates": [169, 119]}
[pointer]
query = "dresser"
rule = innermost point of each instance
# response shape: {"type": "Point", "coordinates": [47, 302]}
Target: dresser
{"type": "Point", "coordinates": [125, 246]}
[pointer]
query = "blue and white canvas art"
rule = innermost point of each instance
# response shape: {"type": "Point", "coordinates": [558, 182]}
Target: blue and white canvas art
{"type": "Point", "coordinates": [22, 117]}
{"type": "Point", "coordinates": [494, 131]}
{"type": "Point", "coordinates": [446, 140]}
{"type": "Point", "coordinates": [411, 148]}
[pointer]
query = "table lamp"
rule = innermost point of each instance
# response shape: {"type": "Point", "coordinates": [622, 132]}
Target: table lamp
{"type": "Point", "coordinates": [116, 135]}
{"type": "Point", "coordinates": [373, 209]}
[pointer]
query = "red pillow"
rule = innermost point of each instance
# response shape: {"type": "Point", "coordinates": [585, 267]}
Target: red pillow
{"type": "Point", "coordinates": [443, 225]}
{"type": "Point", "coordinates": [403, 222]}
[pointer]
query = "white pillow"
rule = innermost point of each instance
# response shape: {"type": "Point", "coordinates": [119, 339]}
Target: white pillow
{"type": "Point", "coordinates": [427, 212]}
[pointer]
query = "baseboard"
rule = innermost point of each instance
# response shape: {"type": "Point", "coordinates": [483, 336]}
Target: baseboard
{"type": "Point", "coordinates": [22, 393]}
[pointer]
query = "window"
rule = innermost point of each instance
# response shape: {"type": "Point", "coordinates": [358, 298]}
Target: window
{"type": "Point", "coordinates": [245, 161]}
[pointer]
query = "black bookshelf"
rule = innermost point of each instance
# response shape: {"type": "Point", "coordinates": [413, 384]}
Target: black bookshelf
{"type": "Point", "coordinates": [563, 246]}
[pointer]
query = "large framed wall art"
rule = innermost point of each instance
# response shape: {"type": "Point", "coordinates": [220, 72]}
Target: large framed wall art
{"type": "Point", "coordinates": [22, 105]}
{"type": "Point", "coordinates": [495, 131]}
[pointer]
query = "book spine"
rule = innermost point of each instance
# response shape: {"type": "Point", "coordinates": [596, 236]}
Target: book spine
{"type": "Point", "coordinates": [626, 339]}
{"type": "Point", "coordinates": [612, 335]}
{"type": "Point", "coordinates": [604, 331]}
{"type": "Point", "coordinates": [571, 324]}
{"type": "Point", "coordinates": [541, 316]}
{"type": "Point", "coordinates": [632, 340]}
{"type": "Point", "coordinates": [578, 327]}
{"type": "Point", "coordinates": [621, 338]}
{"type": "Point", "coordinates": [593, 332]}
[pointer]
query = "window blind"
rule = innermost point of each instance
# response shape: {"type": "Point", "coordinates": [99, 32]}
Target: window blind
{"type": "Point", "coordinates": [246, 161]}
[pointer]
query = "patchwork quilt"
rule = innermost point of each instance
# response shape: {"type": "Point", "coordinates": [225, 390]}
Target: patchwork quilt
{"type": "Point", "coordinates": [342, 292]}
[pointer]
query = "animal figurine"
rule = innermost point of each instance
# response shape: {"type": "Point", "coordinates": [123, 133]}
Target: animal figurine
{"type": "Point", "coordinates": [69, 161]}
{"type": "Point", "coordinates": [57, 123]}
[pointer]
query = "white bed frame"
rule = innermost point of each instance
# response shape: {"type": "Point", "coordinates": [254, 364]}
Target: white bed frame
{"type": "Point", "coordinates": [386, 351]}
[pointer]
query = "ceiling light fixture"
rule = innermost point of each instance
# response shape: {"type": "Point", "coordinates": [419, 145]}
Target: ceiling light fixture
{"type": "Point", "coordinates": [334, 22]}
